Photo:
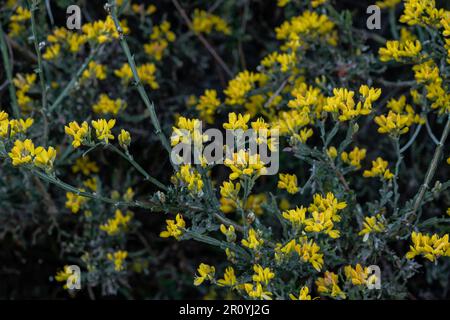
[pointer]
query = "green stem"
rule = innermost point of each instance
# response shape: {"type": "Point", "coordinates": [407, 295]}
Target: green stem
{"type": "Point", "coordinates": [393, 23]}
{"type": "Point", "coordinates": [8, 71]}
{"type": "Point", "coordinates": [396, 173]}
{"type": "Point", "coordinates": [150, 106]}
{"type": "Point", "coordinates": [431, 170]}
{"type": "Point", "coordinates": [141, 170]}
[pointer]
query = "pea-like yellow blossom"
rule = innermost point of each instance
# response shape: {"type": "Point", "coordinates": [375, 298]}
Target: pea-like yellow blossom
{"type": "Point", "coordinates": [118, 259]}
{"type": "Point", "coordinates": [288, 182]}
{"type": "Point", "coordinates": [430, 247]}
{"type": "Point", "coordinates": [174, 228]}
{"type": "Point", "coordinates": [328, 285]}
{"type": "Point", "coordinates": [206, 272]}
{"type": "Point", "coordinates": [379, 169]}
{"type": "Point", "coordinates": [103, 129]}
{"type": "Point", "coordinates": [117, 224]}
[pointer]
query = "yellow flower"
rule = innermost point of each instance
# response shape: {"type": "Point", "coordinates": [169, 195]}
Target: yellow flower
{"type": "Point", "coordinates": [322, 222]}
{"type": "Point", "coordinates": [85, 166]}
{"type": "Point", "coordinates": [229, 278]}
{"type": "Point", "coordinates": [174, 229]}
{"type": "Point", "coordinates": [308, 251]}
{"type": "Point", "coordinates": [238, 87]}
{"type": "Point", "coordinates": [332, 152]}
{"type": "Point", "coordinates": [354, 157]}
{"type": "Point", "coordinates": [243, 164]}
{"type": "Point", "coordinates": [372, 225]}
{"type": "Point", "coordinates": [256, 291]}
{"type": "Point", "coordinates": [288, 182]}
{"type": "Point", "coordinates": [421, 12]}
{"type": "Point", "coordinates": [206, 272]}
{"type": "Point", "coordinates": [94, 71]}
{"type": "Point", "coordinates": [102, 31]}
{"type": "Point", "coordinates": [205, 22]}
{"type": "Point", "coordinates": [63, 276]}
{"type": "Point", "coordinates": [118, 223]}
{"type": "Point", "coordinates": [207, 105]}
{"type": "Point", "coordinates": [328, 285]}
{"type": "Point", "coordinates": [16, 21]}
{"type": "Point", "coordinates": [159, 40]}
{"type": "Point", "coordinates": [236, 121]}
{"type": "Point", "coordinates": [52, 52]}
{"type": "Point", "coordinates": [44, 158]}
{"type": "Point", "coordinates": [327, 203]}
{"type": "Point", "coordinates": [296, 216]}
{"type": "Point", "coordinates": [253, 240]}
{"type": "Point", "coordinates": [19, 125]}
{"type": "Point", "coordinates": [146, 73]}
{"type": "Point", "coordinates": [78, 133]}
{"type": "Point", "coordinates": [359, 276]}
{"type": "Point", "coordinates": [75, 202]}
{"type": "Point", "coordinates": [106, 105]}
{"type": "Point", "coordinates": [22, 152]}
{"type": "Point", "coordinates": [189, 177]}
{"type": "Point", "coordinates": [262, 275]}
{"type": "Point", "coordinates": [400, 51]}
{"type": "Point", "coordinates": [118, 258]}
{"type": "Point", "coordinates": [124, 138]}
{"type": "Point", "coordinates": [431, 247]}
{"type": "Point", "coordinates": [103, 129]}
{"type": "Point", "coordinates": [228, 232]}
{"type": "Point", "coordinates": [379, 169]}
{"type": "Point", "coordinates": [303, 295]}
{"type": "Point", "coordinates": [394, 124]}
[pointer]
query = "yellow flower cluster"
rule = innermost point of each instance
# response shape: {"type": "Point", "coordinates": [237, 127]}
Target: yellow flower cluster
{"type": "Point", "coordinates": [24, 152]}
{"type": "Point", "coordinates": [206, 272]}
{"type": "Point", "coordinates": [205, 22]}
{"type": "Point", "coordinates": [400, 50]}
{"type": "Point", "coordinates": [359, 276]}
{"type": "Point", "coordinates": [307, 250]}
{"type": "Point", "coordinates": [13, 126]}
{"type": "Point", "coordinates": [174, 228]}
{"type": "Point", "coordinates": [23, 86]}
{"type": "Point", "coordinates": [253, 240]}
{"type": "Point", "coordinates": [16, 21]}
{"type": "Point", "coordinates": [159, 40]}
{"type": "Point", "coordinates": [261, 278]}
{"type": "Point", "coordinates": [229, 278]}
{"type": "Point", "coordinates": [329, 285]}
{"type": "Point", "coordinates": [288, 182]}
{"type": "Point", "coordinates": [118, 258]}
{"type": "Point", "coordinates": [422, 12]}
{"type": "Point", "coordinates": [286, 61]}
{"type": "Point", "coordinates": [75, 202]}
{"type": "Point", "coordinates": [189, 177]}
{"type": "Point", "coordinates": [343, 104]}
{"type": "Point", "coordinates": [241, 85]}
{"type": "Point", "coordinates": [303, 294]}
{"type": "Point", "coordinates": [63, 276]}
{"type": "Point", "coordinates": [187, 131]}
{"type": "Point", "coordinates": [106, 105]}
{"type": "Point", "coordinates": [124, 138]}
{"type": "Point", "coordinates": [94, 71]}
{"type": "Point", "coordinates": [430, 247]}
{"type": "Point", "coordinates": [427, 74]}
{"type": "Point", "coordinates": [146, 73]}
{"type": "Point", "coordinates": [244, 164]}
{"type": "Point", "coordinates": [207, 105]}
{"type": "Point", "coordinates": [102, 31]}
{"type": "Point", "coordinates": [374, 224]}
{"type": "Point", "coordinates": [61, 37]}
{"type": "Point", "coordinates": [379, 169]}
{"type": "Point", "coordinates": [314, 3]}
{"type": "Point", "coordinates": [77, 132]}
{"type": "Point", "coordinates": [354, 157]}
{"type": "Point", "coordinates": [117, 224]}
{"type": "Point", "coordinates": [103, 129]}
{"type": "Point", "coordinates": [306, 27]}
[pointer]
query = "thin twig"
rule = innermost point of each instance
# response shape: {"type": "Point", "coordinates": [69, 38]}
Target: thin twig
{"type": "Point", "coordinates": [150, 106]}
{"type": "Point", "coordinates": [276, 93]}
{"type": "Point", "coordinates": [430, 132]}
{"type": "Point", "coordinates": [431, 169]}
{"type": "Point", "coordinates": [202, 39]}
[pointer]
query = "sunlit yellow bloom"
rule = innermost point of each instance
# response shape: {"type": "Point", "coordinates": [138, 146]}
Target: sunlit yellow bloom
{"type": "Point", "coordinates": [262, 275]}
{"type": "Point", "coordinates": [430, 247]}
{"type": "Point", "coordinates": [238, 87]}
{"type": "Point", "coordinates": [124, 138]}
{"type": "Point", "coordinates": [118, 258]}
{"type": "Point", "coordinates": [77, 132]}
{"type": "Point", "coordinates": [400, 51]}
{"type": "Point", "coordinates": [205, 22]}
{"type": "Point", "coordinates": [309, 252]}
{"type": "Point", "coordinates": [22, 152]}
{"type": "Point", "coordinates": [174, 228]}
{"type": "Point", "coordinates": [52, 52]}
{"type": "Point", "coordinates": [359, 276]}
{"type": "Point", "coordinates": [229, 278]}
{"type": "Point", "coordinates": [379, 169]}
{"type": "Point", "coordinates": [189, 177]}
{"type": "Point", "coordinates": [44, 158]}
{"type": "Point", "coordinates": [117, 224]}
{"type": "Point", "coordinates": [207, 105]}
{"type": "Point", "coordinates": [206, 272]}
{"type": "Point", "coordinates": [288, 182]}
{"type": "Point", "coordinates": [244, 164]}
{"type": "Point", "coordinates": [106, 105]}
{"type": "Point", "coordinates": [374, 224]}
{"type": "Point", "coordinates": [296, 216]}
{"type": "Point", "coordinates": [332, 152]}
{"type": "Point", "coordinates": [421, 12]}
{"type": "Point", "coordinates": [354, 157]}
{"type": "Point", "coordinates": [237, 121]}
{"type": "Point", "coordinates": [74, 202]}
{"type": "Point", "coordinates": [303, 295]}
{"type": "Point", "coordinates": [94, 71]}
{"type": "Point", "coordinates": [253, 240]}
{"type": "Point", "coordinates": [328, 285]}
{"type": "Point", "coordinates": [256, 291]}
{"type": "Point", "coordinates": [103, 129]}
